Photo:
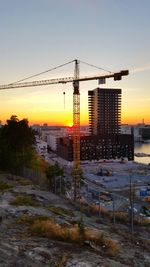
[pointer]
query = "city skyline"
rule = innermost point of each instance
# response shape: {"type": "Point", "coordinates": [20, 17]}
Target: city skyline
{"type": "Point", "coordinates": [38, 35]}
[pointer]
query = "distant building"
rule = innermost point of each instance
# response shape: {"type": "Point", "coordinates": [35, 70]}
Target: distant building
{"type": "Point", "coordinates": [48, 130]}
{"type": "Point", "coordinates": [144, 131]}
{"type": "Point", "coordinates": [140, 131]}
{"type": "Point", "coordinates": [36, 127]}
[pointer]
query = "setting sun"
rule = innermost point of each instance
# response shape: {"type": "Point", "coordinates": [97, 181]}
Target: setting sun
{"type": "Point", "coordinates": [69, 124]}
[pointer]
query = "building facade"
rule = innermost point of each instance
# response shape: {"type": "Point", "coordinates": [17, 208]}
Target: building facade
{"type": "Point", "coordinates": [98, 147]}
{"type": "Point", "coordinates": [104, 111]}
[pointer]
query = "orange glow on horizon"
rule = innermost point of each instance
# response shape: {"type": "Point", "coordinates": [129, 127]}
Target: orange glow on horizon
{"type": "Point", "coordinates": [132, 121]}
{"type": "Point", "coordinates": [135, 119]}
{"type": "Point", "coordinates": [57, 121]}
{"type": "Point", "coordinates": [65, 118]}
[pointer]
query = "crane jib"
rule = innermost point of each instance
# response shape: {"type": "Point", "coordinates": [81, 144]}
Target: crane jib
{"type": "Point", "coordinates": [116, 76]}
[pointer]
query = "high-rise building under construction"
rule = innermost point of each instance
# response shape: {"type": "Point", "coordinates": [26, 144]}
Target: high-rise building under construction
{"type": "Point", "coordinates": [104, 111]}
{"type": "Point", "coordinates": [105, 140]}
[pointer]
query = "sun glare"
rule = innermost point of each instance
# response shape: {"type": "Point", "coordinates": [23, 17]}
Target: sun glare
{"type": "Point", "coordinates": [70, 124]}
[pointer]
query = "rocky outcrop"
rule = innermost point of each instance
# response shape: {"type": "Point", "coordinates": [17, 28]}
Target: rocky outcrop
{"type": "Point", "coordinates": [18, 248]}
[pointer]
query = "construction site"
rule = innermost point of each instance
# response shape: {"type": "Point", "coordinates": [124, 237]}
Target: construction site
{"type": "Point", "coordinates": [113, 122]}
{"type": "Point", "coordinates": [97, 207]}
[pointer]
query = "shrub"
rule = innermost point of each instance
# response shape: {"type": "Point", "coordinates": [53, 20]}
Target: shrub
{"type": "Point", "coordinates": [112, 247]}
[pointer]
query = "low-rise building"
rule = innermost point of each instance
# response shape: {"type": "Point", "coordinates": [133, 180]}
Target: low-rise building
{"type": "Point", "coordinates": [52, 141]}
{"type": "Point", "coordinates": [97, 147]}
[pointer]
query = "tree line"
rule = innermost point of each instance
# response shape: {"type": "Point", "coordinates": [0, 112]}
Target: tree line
{"type": "Point", "coordinates": [17, 150]}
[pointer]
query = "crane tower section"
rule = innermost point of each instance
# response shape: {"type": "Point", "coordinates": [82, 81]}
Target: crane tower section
{"type": "Point", "coordinates": [76, 117]}
{"type": "Point", "coordinates": [76, 131]}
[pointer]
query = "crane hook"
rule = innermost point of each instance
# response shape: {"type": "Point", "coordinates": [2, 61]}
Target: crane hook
{"type": "Point", "coordinates": [64, 99]}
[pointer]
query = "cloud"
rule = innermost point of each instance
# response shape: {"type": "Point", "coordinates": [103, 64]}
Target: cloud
{"type": "Point", "coordinates": [141, 69]}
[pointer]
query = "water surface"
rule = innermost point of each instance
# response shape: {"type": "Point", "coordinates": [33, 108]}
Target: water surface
{"type": "Point", "coordinates": [142, 148]}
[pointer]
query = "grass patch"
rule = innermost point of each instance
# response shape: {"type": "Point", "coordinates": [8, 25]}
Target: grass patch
{"type": "Point", "coordinates": [94, 209]}
{"type": "Point", "coordinates": [46, 227]}
{"type": "Point", "coordinates": [26, 219]}
{"type": "Point", "coordinates": [24, 201]}
{"type": "Point", "coordinates": [5, 186]}
{"type": "Point", "coordinates": [61, 211]}
{"type": "Point", "coordinates": [62, 260]}
{"type": "Point", "coordinates": [50, 229]}
{"type": "Point", "coordinates": [59, 261]}
{"type": "Point", "coordinates": [142, 221]}
{"type": "Point", "coordinates": [121, 217]}
{"type": "Point", "coordinates": [25, 182]}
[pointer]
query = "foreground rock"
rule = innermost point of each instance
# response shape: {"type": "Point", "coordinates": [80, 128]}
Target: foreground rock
{"type": "Point", "coordinates": [21, 249]}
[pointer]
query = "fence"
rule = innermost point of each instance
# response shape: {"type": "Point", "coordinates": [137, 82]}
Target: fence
{"type": "Point", "coordinates": [36, 176]}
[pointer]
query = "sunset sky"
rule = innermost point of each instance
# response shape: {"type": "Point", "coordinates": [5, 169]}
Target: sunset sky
{"type": "Point", "coordinates": [37, 35]}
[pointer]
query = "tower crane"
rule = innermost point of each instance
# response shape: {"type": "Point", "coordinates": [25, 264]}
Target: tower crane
{"type": "Point", "coordinates": [76, 108]}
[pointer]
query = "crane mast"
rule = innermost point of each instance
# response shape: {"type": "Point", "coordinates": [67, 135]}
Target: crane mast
{"type": "Point", "coordinates": [76, 131]}
{"type": "Point", "coordinates": [76, 110]}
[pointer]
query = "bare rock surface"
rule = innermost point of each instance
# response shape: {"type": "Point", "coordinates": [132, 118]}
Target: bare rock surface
{"type": "Point", "coordinates": [19, 249]}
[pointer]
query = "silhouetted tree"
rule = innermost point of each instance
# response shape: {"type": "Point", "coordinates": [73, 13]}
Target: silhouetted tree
{"type": "Point", "coordinates": [16, 144]}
